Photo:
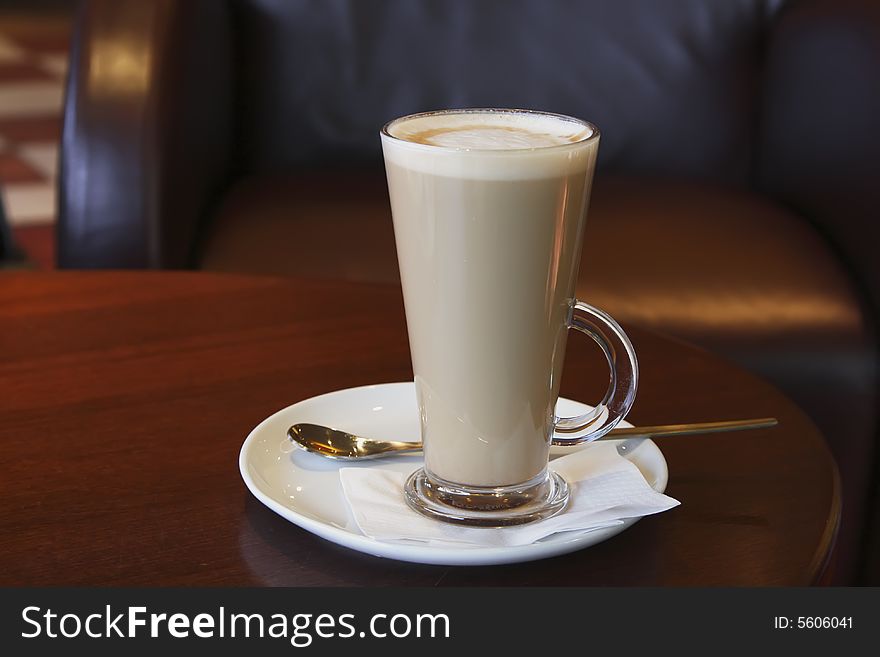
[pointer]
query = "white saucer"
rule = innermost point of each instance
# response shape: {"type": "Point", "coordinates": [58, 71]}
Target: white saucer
{"type": "Point", "coordinates": [305, 489]}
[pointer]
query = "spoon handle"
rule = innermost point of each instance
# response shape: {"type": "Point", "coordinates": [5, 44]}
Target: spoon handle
{"type": "Point", "coordinates": [691, 428]}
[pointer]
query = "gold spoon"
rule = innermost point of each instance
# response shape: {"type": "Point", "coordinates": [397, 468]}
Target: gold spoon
{"type": "Point", "coordinates": [336, 444]}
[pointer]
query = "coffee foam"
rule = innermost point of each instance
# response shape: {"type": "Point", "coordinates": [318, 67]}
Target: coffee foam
{"type": "Point", "coordinates": [490, 144]}
{"type": "Point", "coordinates": [490, 130]}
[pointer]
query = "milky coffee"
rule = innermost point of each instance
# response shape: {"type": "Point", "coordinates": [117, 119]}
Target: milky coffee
{"type": "Point", "coordinates": [488, 211]}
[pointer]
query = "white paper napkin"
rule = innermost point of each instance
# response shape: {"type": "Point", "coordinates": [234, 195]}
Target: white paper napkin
{"type": "Point", "coordinates": [605, 489]}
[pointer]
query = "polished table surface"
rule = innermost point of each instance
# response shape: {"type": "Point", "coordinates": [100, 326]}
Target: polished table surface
{"type": "Point", "coordinates": [126, 398]}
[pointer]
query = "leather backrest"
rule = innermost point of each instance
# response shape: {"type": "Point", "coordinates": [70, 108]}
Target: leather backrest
{"type": "Point", "coordinates": [672, 85]}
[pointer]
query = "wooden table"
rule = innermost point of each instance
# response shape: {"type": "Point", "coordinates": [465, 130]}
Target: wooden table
{"type": "Point", "coordinates": [126, 397]}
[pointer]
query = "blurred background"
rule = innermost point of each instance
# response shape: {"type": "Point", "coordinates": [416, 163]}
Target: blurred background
{"type": "Point", "coordinates": [735, 205]}
{"type": "Point", "coordinates": [34, 44]}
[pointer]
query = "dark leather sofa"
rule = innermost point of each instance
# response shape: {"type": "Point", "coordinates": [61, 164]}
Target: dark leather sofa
{"type": "Point", "coordinates": [736, 204]}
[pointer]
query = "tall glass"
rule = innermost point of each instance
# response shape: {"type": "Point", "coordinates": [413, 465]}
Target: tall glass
{"type": "Point", "coordinates": [488, 243]}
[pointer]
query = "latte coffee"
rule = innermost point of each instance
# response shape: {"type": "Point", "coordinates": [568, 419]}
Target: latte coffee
{"type": "Point", "coordinates": [488, 209]}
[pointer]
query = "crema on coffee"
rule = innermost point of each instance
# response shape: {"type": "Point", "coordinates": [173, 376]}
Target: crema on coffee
{"type": "Point", "coordinates": [490, 131]}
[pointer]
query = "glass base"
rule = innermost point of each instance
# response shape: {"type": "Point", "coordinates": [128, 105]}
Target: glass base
{"type": "Point", "coordinates": [540, 498]}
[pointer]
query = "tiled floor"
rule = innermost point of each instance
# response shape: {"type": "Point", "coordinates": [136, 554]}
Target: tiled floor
{"type": "Point", "coordinates": [33, 64]}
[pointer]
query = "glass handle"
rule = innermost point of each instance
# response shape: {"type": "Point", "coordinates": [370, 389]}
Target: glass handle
{"type": "Point", "coordinates": [624, 379]}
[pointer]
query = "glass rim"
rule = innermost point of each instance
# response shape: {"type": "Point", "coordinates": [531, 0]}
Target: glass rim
{"type": "Point", "coordinates": [593, 136]}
